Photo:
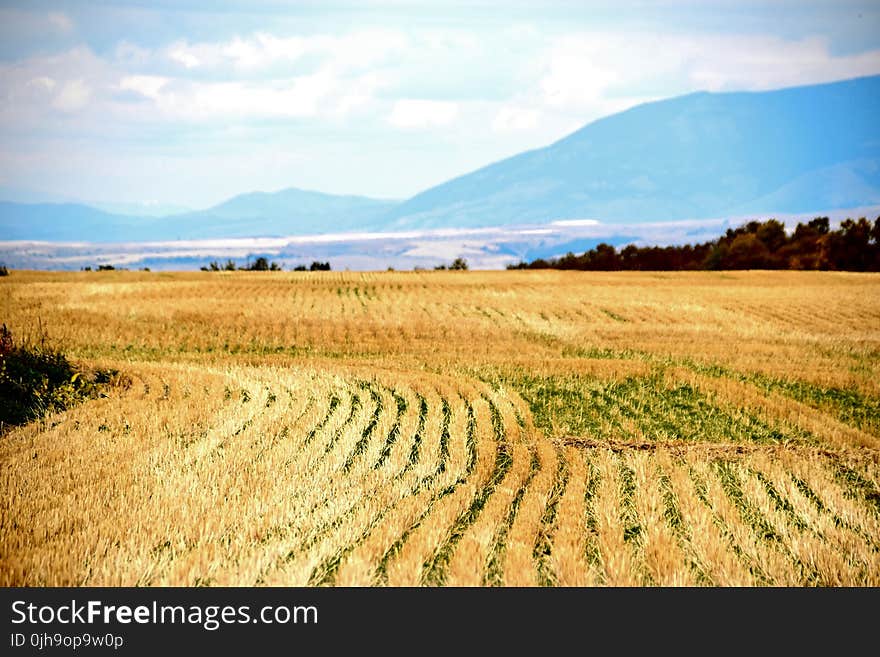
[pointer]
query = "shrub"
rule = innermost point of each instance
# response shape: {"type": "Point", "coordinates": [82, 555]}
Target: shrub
{"type": "Point", "coordinates": [37, 379]}
{"type": "Point", "coordinates": [459, 264]}
{"type": "Point", "coordinates": [262, 264]}
{"type": "Point", "coordinates": [4, 271]}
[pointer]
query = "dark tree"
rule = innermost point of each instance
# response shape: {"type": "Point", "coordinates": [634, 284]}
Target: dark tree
{"type": "Point", "coordinates": [854, 246]}
{"type": "Point", "coordinates": [260, 264]}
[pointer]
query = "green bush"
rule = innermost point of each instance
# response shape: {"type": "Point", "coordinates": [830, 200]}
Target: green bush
{"type": "Point", "coordinates": [36, 379]}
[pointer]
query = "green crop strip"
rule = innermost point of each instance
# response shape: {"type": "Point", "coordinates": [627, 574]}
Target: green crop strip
{"type": "Point", "coordinates": [434, 570]}
{"type": "Point", "coordinates": [543, 547]}
{"type": "Point", "coordinates": [353, 409]}
{"type": "Point", "coordinates": [394, 433]}
{"type": "Point", "coordinates": [702, 492]}
{"type": "Point", "coordinates": [591, 551]}
{"type": "Point", "coordinates": [335, 401]}
{"type": "Point", "coordinates": [417, 437]}
{"type": "Point", "coordinates": [381, 573]}
{"type": "Point", "coordinates": [367, 433]}
{"type": "Point", "coordinates": [494, 567]}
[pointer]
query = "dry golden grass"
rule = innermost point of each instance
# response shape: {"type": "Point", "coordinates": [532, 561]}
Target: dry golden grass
{"type": "Point", "coordinates": [445, 428]}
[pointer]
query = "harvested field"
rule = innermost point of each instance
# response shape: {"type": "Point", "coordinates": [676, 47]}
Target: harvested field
{"type": "Point", "coordinates": [525, 428]}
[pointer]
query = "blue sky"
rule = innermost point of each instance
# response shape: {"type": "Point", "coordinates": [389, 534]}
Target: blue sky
{"type": "Point", "coordinates": [188, 103]}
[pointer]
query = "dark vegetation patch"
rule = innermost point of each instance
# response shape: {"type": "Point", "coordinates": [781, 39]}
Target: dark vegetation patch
{"type": "Point", "coordinates": [36, 379]}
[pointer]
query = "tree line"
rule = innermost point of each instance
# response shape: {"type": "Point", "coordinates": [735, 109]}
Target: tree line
{"type": "Point", "coordinates": [262, 264]}
{"type": "Point", "coordinates": [854, 246]}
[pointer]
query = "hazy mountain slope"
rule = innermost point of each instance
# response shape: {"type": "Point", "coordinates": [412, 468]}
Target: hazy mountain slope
{"type": "Point", "coordinates": [287, 212]}
{"type": "Point", "coordinates": [695, 156]}
{"type": "Point", "coordinates": [69, 222]}
{"type": "Point", "coordinates": [292, 211]}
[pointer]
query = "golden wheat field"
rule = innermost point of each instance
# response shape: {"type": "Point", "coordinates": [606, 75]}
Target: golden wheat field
{"type": "Point", "coordinates": [516, 428]}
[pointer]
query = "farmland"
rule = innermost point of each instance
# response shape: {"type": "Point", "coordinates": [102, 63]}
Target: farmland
{"type": "Point", "coordinates": [523, 428]}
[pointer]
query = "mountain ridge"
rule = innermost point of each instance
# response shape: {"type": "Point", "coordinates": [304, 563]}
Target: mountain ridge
{"type": "Point", "coordinates": [662, 160]}
{"type": "Point", "coordinates": [53, 221]}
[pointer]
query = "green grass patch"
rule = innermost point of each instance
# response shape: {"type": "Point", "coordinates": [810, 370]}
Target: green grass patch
{"type": "Point", "coordinates": [637, 408]}
{"type": "Point", "coordinates": [848, 405]}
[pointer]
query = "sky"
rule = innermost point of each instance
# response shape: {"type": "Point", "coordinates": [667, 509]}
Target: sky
{"type": "Point", "coordinates": [187, 103]}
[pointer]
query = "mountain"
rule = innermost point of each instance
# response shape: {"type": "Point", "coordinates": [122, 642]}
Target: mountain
{"type": "Point", "coordinates": [142, 209]}
{"type": "Point", "coordinates": [259, 214]}
{"type": "Point", "coordinates": [67, 222]}
{"type": "Point", "coordinates": [703, 155]}
{"type": "Point", "coordinates": [291, 211]}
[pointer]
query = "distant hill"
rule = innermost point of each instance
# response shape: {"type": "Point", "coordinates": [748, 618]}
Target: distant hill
{"type": "Point", "coordinates": [702, 155]}
{"type": "Point", "coordinates": [69, 222]}
{"type": "Point", "coordinates": [291, 211]}
{"type": "Point", "coordinates": [288, 212]}
{"type": "Point", "coordinates": [142, 209]}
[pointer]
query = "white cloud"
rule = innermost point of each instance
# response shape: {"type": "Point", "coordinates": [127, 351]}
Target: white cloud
{"type": "Point", "coordinates": [42, 82]}
{"type": "Point", "coordinates": [576, 76]}
{"type": "Point", "coordinates": [146, 85]}
{"type": "Point", "coordinates": [73, 96]}
{"type": "Point", "coordinates": [263, 50]}
{"type": "Point", "coordinates": [364, 50]}
{"type": "Point", "coordinates": [357, 50]}
{"type": "Point", "coordinates": [36, 89]}
{"type": "Point", "coordinates": [60, 21]}
{"type": "Point", "coordinates": [418, 113]}
{"type": "Point", "coordinates": [595, 73]}
{"type": "Point", "coordinates": [131, 55]}
{"type": "Point", "coordinates": [759, 63]}
{"type": "Point", "coordinates": [300, 97]}
{"type": "Point", "coordinates": [512, 119]}
{"type": "Point", "coordinates": [182, 55]}
{"type": "Point", "coordinates": [358, 93]}
{"type": "Point", "coordinates": [245, 54]}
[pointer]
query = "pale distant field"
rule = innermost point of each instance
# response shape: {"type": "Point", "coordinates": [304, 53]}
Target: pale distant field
{"type": "Point", "coordinates": [458, 428]}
